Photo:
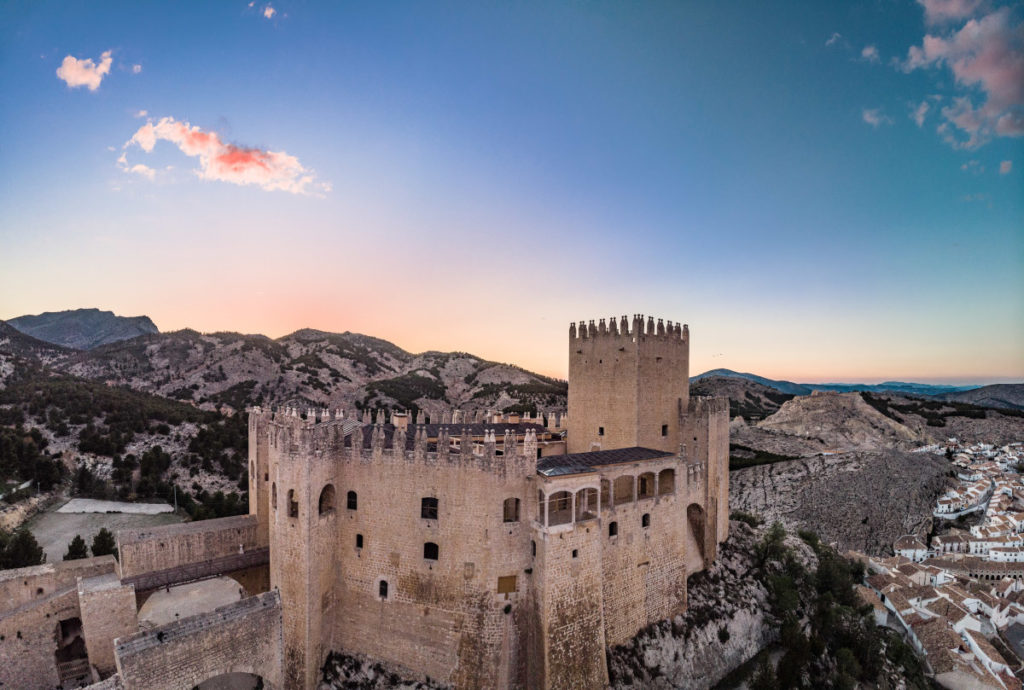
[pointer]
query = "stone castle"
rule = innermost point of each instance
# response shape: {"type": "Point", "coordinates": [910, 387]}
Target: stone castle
{"type": "Point", "coordinates": [483, 555]}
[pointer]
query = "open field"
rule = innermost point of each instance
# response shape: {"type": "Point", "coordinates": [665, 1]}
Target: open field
{"type": "Point", "coordinates": [54, 530]}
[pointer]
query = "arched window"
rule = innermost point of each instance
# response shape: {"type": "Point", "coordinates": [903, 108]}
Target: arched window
{"type": "Point", "coordinates": [351, 501]}
{"type": "Point", "coordinates": [666, 482]}
{"type": "Point", "coordinates": [428, 508]}
{"type": "Point", "coordinates": [273, 495]}
{"type": "Point", "coordinates": [606, 494]}
{"type": "Point", "coordinates": [613, 529]}
{"type": "Point", "coordinates": [293, 505]}
{"type": "Point", "coordinates": [382, 589]}
{"type": "Point", "coordinates": [645, 485]}
{"type": "Point", "coordinates": [430, 551]}
{"type": "Point", "coordinates": [586, 504]}
{"type": "Point", "coordinates": [560, 508]}
{"type": "Point", "coordinates": [327, 500]}
{"type": "Point", "coordinates": [622, 490]}
{"type": "Point", "coordinates": [510, 510]}
{"type": "Point", "coordinates": [645, 521]}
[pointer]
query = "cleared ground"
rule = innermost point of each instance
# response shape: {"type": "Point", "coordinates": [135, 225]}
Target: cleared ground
{"type": "Point", "coordinates": [188, 600]}
{"type": "Point", "coordinates": [54, 530]}
{"type": "Point", "coordinates": [91, 505]}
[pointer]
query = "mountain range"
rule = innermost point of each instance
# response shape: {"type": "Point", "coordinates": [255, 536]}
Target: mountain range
{"type": "Point", "coordinates": [353, 370]}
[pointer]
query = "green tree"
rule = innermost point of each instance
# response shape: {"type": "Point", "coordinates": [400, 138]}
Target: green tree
{"type": "Point", "coordinates": [20, 549]}
{"type": "Point", "coordinates": [765, 678]}
{"type": "Point", "coordinates": [103, 543]}
{"type": "Point", "coordinates": [77, 549]}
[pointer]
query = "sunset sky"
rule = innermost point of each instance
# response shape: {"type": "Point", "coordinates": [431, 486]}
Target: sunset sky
{"type": "Point", "coordinates": [823, 191]}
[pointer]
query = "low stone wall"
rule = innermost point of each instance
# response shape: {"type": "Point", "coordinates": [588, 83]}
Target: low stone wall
{"type": "Point", "coordinates": [171, 546]}
{"type": "Point", "coordinates": [20, 586]}
{"type": "Point", "coordinates": [243, 637]}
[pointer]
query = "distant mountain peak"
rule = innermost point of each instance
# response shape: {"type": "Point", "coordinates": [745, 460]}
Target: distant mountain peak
{"type": "Point", "coordinates": [83, 329]}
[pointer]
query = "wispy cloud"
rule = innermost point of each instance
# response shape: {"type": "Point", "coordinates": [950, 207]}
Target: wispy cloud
{"type": "Point", "coordinates": [85, 72]}
{"type": "Point", "coordinates": [936, 11]}
{"type": "Point", "coordinates": [136, 69]}
{"type": "Point", "coordinates": [919, 112]}
{"type": "Point", "coordinates": [875, 117]}
{"type": "Point", "coordinates": [833, 39]}
{"type": "Point", "coordinates": [986, 54]}
{"type": "Point", "coordinates": [1005, 167]}
{"type": "Point", "coordinates": [269, 12]}
{"type": "Point", "coordinates": [974, 167]}
{"type": "Point", "coordinates": [141, 113]}
{"type": "Point", "coordinates": [870, 53]}
{"type": "Point", "coordinates": [270, 170]}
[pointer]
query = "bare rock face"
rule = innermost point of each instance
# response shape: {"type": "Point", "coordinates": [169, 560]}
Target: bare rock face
{"type": "Point", "coordinates": [861, 500]}
{"type": "Point", "coordinates": [727, 622]}
{"type": "Point", "coordinates": [842, 421]}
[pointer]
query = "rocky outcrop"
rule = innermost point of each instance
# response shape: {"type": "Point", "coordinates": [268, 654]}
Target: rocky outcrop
{"type": "Point", "coordinates": [727, 622]}
{"type": "Point", "coordinates": [842, 421]}
{"type": "Point", "coordinates": [358, 672]}
{"type": "Point", "coordinates": [863, 500]}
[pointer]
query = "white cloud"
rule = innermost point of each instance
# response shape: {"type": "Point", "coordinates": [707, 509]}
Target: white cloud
{"type": "Point", "coordinates": [141, 113]}
{"type": "Point", "coordinates": [136, 69]}
{"type": "Point", "coordinates": [875, 117]}
{"type": "Point", "coordinates": [918, 113]}
{"type": "Point", "coordinates": [870, 53]}
{"type": "Point", "coordinates": [986, 55]}
{"type": "Point", "coordinates": [270, 170]}
{"type": "Point", "coordinates": [1005, 167]}
{"type": "Point", "coordinates": [974, 167]}
{"type": "Point", "coordinates": [833, 39]}
{"type": "Point", "coordinates": [269, 12]}
{"type": "Point", "coordinates": [86, 73]}
{"type": "Point", "coordinates": [144, 170]}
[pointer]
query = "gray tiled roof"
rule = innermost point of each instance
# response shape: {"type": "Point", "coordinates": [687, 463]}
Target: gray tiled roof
{"type": "Point", "coordinates": [578, 463]}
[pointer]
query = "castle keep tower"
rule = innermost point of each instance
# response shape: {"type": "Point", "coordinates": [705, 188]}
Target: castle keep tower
{"type": "Point", "coordinates": [629, 384]}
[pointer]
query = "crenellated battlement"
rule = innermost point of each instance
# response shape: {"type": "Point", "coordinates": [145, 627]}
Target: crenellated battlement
{"type": "Point", "coordinates": [623, 327]}
{"type": "Point", "coordinates": [327, 436]}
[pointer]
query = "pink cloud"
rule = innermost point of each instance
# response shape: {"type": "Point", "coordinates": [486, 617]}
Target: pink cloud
{"type": "Point", "coordinates": [918, 113]}
{"type": "Point", "coordinates": [1005, 167]}
{"type": "Point", "coordinates": [86, 73]}
{"type": "Point", "coordinates": [269, 12]}
{"type": "Point", "coordinates": [986, 54]}
{"type": "Point", "coordinates": [270, 170]}
{"type": "Point", "coordinates": [936, 11]}
{"type": "Point", "coordinates": [870, 53]}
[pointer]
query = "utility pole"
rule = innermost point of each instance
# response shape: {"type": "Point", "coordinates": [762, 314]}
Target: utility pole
{"type": "Point", "coordinates": [175, 498]}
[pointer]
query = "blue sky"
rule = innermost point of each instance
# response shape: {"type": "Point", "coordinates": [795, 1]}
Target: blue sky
{"type": "Point", "coordinates": [474, 176]}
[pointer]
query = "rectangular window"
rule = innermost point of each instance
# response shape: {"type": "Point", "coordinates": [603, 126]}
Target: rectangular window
{"type": "Point", "coordinates": [664, 429]}
{"type": "Point", "coordinates": [507, 584]}
{"type": "Point", "coordinates": [359, 541]}
{"type": "Point", "coordinates": [600, 431]}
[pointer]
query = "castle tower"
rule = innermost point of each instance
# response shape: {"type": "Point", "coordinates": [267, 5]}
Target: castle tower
{"type": "Point", "coordinates": [628, 386]}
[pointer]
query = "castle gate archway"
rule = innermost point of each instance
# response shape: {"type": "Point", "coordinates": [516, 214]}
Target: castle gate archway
{"type": "Point", "coordinates": [696, 521]}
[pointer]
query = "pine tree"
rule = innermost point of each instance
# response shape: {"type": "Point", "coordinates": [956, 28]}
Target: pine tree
{"type": "Point", "coordinates": [77, 549]}
{"type": "Point", "coordinates": [103, 543]}
{"type": "Point", "coordinates": [20, 550]}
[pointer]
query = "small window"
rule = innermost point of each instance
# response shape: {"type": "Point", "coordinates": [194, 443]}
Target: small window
{"type": "Point", "coordinates": [266, 476]}
{"type": "Point", "coordinates": [664, 429]}
{"type": "Point", "coordinates": [273, 495]}
{"type": "Point", "coordinates": [645, 521]}
{"type": "Point", "coordinates": [351, 500]}
{"type": "Point", "coordinates": [538, 453]}
{"type": "Point", "coordinates": [613, 529]}
{"type": "Point", "coordinates": [511, 510]}
{"type": "Point", "coordinates": [533, 548]}
{"type": "Point", "coordinates": [293, 505]}
{"type": "Point", "coordinates": [600, 431]}
{"type": "Point", "coordinates": [428, 508]}
{"type": "Point", "coordinates": [430, 551]}
{"type": "Point", "coordinates": [382, 589]}
{"type": "Point", "coordinates": [359, 541]}
{"type": "Point", "coordinates": [575, 553]}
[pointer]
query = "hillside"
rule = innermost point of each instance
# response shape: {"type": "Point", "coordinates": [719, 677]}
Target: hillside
{"type": "Point", "coordinates": [1004, 395]}
{"type": "Point", "coordinates": [892, 387]}
{"type": "Point", "coordinates": [783, 386]}
{"type": "Point", "coordinates": [83, 329]}
{"type": "Point", "coordinates": [747, 399]}
{"type": "Point", "coordinates": [309, 367]}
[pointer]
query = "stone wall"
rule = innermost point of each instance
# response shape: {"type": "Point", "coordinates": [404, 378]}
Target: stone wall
{"type": "Point", "coordinates": [107, 612]}
{"type": "Point", "coordinates": [171, 546]}
{"type": "Point", "coordinates": [243, 637]}
{"type": "Point", "coordinates": [22, 585]}
{"type": "Point", "coordinates": [445, 617]}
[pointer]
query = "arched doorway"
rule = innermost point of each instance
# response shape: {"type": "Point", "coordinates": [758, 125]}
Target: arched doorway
{"type": "Point", "coordinates": [181, 601]}
{"type": "Point", "coordinates": [233, 681]}
{"type": "Point", "coordinates": [695, 521]}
